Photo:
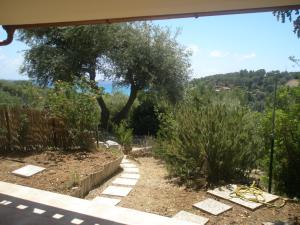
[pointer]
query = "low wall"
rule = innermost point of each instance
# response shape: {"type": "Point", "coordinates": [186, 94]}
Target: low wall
{"type": "Point", "coordinates": [95, 179]}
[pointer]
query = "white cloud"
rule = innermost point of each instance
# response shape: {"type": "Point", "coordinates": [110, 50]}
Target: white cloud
{"type": "Point", "coordinates": [218, 54]}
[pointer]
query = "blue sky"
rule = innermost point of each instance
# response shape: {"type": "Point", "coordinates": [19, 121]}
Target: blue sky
{"type": "Point", "coordinates": [220, 44]}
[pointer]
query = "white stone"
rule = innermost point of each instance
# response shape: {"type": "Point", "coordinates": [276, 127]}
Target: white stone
{"type": "Point", "coordinates": [130, 175]}
{"type": "Point", "coordinates": [212, 206]}
{"type": "Point", "coordinates": [117, 191]}
{"type": "Point", "coordinates": [57, 216]}
{"type": "Point", "coordinates": [22, 207]}
{"type": "Point", "coordinates": [38, 211]}
{"type": "Point", "coordinates": [131, 170]}
{"type": "Point", "coordinates": [125, 161]}
{"type": "Point", "coordinates": [106, 201]}
{"type": "Point", "coordinates": [112, 143]}
{"type": "Point", "coordinates": [128, 165]}
{"type": "Point", "coordinates": [77, 221]}
{"type": "Point", "coordinates": [5, 202]}
{"type": "Point", "coordinates": [186, 216]}
{"type": "Point", "coordinates": [141, 148]}
{"type": "Point", "coordinates": [225, 192]}
{"type": "Point", "coordinates": [125, 181]}
{"type": "Point", "coordinates": [28, 171]}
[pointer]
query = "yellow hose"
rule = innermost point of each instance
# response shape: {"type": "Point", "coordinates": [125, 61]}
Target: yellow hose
{"type": "Point", "coordinates": [253, 194]}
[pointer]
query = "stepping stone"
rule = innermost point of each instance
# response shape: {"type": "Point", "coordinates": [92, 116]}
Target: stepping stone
{"type": "Point", "coordinates": [225, 191]}
{"type": "Point", "coordinates": [106, 201]}
{"type": "Point", "coordinates": [28, 171]}
{"type": "Point", "coordinates": [131, 170]}
{"type": "Point", "coordinates": [212, 206]}
{"type": "Point", "coordinates": [117, 191]}
{"type": "Point", "coordinates": [130, 175]}
{"type": "Point", "coordinates": [125, 181]}
{"type": "Point", "coordinates": [189, 217]}
{"type": "Point", "coordinates": [125, 161]}
{"type": "Point", "coordinates": [112, 143]}
{"type": "Point", "coordinates": [128, 165]}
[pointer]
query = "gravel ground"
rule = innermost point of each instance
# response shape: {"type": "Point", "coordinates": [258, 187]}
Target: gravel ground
{"type": "Point", "coordinates": [155, 193]}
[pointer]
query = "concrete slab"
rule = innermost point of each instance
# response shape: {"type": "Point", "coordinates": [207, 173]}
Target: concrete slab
{"type": "Point", "coordinates": [117, 191]}
{"type": "Point", "coordinates": [70, 207]}
{"type": "Point", "coordinates": [186, 216]}
{"type": "Point", "coordinates": [112, 143]}
{"type": "Point", "coordinates": [28, 171]}
{"type": "Point", "coordinates": [225, 191]}
{"type": "Point", "coordinates": [125, 181]}
{"type": "Point", "coordinates": [125, 161]}
{"type": "Point", "coordinates": [130, 175]}
{"type": "Point", "coordinates": [212, 206]}
{"type": "Point", "coordinates": [131, 170]}
{"type": "Point", "coordinates": [106, 201]}
{"type": "Point", "coordinates": [128, 165]}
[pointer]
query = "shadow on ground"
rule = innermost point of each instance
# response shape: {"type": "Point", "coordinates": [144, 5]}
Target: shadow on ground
{"type": "Point", "coordinates": [16, 211]}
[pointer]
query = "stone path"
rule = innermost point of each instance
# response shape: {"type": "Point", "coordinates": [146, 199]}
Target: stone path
{"type": "Point", "coordinates": [106, 201]}
{"type": "Point", "coordinates": [186, 216]}
{"type": "Point", "coordinates": [121, 186]}
{"type": "Point", "coordinates": [25, 205]}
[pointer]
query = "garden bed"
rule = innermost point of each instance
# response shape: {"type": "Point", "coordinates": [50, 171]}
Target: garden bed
{"type": "Point", "coordinates": [64, 170]}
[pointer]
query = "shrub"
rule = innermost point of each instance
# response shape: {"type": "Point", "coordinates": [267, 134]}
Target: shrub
{"type": "Point", "coordinates": [287, 142]}
{"type": "Point", "coordinates": [208, 137]}
{"type": "Point", "coordinates": [144, 119]}
{"type": "Point", "coordinates": [77, 106]}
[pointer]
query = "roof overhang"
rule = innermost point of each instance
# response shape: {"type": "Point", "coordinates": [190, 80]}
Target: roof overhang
{"type": "Point", "coordinates": [30, 13]}
{"type": "Point", "coordinates": [16, 14]}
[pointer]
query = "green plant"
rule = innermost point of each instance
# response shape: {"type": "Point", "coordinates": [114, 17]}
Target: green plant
{"type": "Point", "coordinates": [208, 137]}
{"type": "Point", "coordinates": [124, 136]}
{"type": "Point", "coordinates": [287, 142]}
{"type": "Point", "coordinates": [77, 106]}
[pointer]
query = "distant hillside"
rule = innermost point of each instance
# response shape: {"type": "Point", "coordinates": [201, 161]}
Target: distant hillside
{"type": "Point", "coordinates": [21, 93]}
{"type": "Point", "coordinates": [249, 80]}
{"type": "Point", "coordinates": [257, 85]}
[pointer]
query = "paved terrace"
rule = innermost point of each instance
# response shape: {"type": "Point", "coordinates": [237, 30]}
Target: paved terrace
{"type": "Point", "coordinates": [20, 205]}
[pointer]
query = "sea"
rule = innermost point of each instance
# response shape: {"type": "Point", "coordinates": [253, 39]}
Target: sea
{"type": "Point", "coordinates": [110, 88]}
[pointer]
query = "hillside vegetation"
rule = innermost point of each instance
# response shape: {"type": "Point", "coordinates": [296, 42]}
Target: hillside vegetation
{"type": "Point", "coordinates": [254, 86]}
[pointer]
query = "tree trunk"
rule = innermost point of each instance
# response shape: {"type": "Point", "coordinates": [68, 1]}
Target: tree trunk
{"type": "Point", "coordinates": [104, 110]}
{"type": "Point", "coordinates": [123, 114]}
{"type": "Point", "coordinates": [104, 113]}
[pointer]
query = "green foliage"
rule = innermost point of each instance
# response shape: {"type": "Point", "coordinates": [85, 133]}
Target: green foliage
{"type": "Point", "coordinates": [287, 141]}
{"type": "Point", "coordinates": [124, 135]}
{"type": "Point", "coordinates": [144, 119]}
{"type": "Point", "coordinates": [77, 106]}
{"type": "Point", "coordinates": [254, 87]}
{"type": "Point", "coordinates": [137, 55]}
{"type": "Point", "coordinates": [208, 137]}
{"type": "Point", "coordinates": [283, 15]}
{"type": "Point", "coordinates": [22, 93]}
{"type": "Point", "coordinates": [116, 101]}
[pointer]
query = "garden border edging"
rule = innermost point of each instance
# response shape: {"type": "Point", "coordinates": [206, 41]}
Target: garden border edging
{"type": "Point", "coordinates": [97, 178]}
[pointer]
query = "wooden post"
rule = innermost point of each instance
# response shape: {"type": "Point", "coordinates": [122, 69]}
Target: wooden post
{"type": "Point", "coordinates": [54, 133]}
{"type": "Point", "coordinates": [9, 138]}
{"type": "Point", "coordinates": [97, 133]}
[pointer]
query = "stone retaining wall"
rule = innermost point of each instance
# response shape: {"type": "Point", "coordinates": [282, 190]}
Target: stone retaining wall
{"type": "Point", "coordinates": [97, 178]}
